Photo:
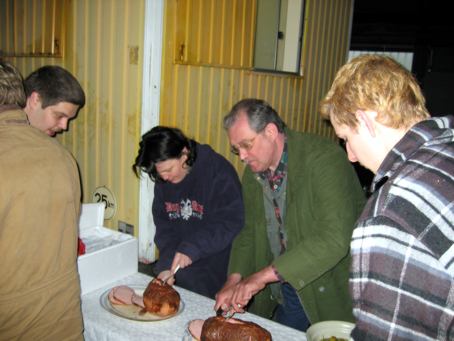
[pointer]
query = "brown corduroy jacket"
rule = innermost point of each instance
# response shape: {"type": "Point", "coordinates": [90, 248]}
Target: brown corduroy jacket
{"type": "Point", "coordinates": [39, 212]}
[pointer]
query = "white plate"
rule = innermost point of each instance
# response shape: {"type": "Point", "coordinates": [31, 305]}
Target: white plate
{"type": "Point", "coordinates": [187, 336]}
{"type": "Point", "coordinates": [326, 329]}
{"type": "Point", "coordinates": [131, 311]}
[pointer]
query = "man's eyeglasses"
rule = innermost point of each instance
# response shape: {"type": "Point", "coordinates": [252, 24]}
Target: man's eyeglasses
{"type": "Point", "coordinates": [245, 145]}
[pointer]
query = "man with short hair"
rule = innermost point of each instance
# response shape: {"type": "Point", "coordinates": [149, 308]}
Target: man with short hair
{"type": "Point", "coordinates": [54, 97]}
{"type": "Point", "coordinates": [402, 275]}
{"type": "Point", "coordinates": [301, 198]}
{"type": "Point", "coordinates": [39, 214]}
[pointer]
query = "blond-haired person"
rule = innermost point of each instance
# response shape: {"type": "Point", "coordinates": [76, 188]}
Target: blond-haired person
{"type": "Point", "coordinates": [39, 211]}
{"type": "Point", "coordinates": [401, 278]}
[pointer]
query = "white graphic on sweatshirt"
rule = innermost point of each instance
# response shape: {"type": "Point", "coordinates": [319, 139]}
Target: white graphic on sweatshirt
{"type": "Point", "coordinates": [186, 209]}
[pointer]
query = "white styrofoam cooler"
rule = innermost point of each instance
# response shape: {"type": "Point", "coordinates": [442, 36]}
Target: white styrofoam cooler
{"type": "Point", "coordinates": [110, 255]}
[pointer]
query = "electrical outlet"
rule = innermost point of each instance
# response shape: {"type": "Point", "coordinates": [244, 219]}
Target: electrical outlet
{"type": "Point", "coordinates": [125, 227]}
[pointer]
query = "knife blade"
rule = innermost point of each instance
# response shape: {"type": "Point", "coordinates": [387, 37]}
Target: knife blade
{"type": "Point", "coordinates": [172, 274]}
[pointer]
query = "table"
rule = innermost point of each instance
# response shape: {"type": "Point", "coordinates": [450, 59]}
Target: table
{"type": "Point", "coordinates": [102, 325]}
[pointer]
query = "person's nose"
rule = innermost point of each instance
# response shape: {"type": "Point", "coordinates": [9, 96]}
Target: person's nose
{"type": "Point", "coordinates": [242, 153]}
{"type": "Point", "coordinates": [63, 123]}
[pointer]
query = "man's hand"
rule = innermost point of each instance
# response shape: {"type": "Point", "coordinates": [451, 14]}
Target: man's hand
{"type": "Point", "coordinates": [250, 286]}
{"type": "Point", "coordinates": [224, 296]}
{"type": "Point", "coordinates": [237, 293]}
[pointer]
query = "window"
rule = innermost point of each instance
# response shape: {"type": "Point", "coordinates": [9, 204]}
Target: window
{"type": "Point", "coordinates": [404, 58]}
{"type": "Point", "coordinates": [278, 35]}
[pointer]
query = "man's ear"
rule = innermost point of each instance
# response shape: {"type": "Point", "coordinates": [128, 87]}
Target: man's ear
{"type": "Point", "coordinates": [34, 99]}
{"type": "Point", "coordinates": [271, 130]}
{"type": "Point", "coordinates": [367, 118]}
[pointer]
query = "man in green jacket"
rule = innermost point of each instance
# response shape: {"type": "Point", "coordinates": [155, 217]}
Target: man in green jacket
{"type": "Point", "coordinates": [302, 197]}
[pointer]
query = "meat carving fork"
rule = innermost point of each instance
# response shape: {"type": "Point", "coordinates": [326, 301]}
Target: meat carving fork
{"type": "Point", "coordinates": [226, 314]}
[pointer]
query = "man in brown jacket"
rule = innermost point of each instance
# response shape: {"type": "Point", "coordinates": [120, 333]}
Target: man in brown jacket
{"type": "Point", "coordinates": [39, 209]}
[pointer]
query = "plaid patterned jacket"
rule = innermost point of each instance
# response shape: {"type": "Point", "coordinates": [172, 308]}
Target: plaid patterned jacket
{"type": "Point", "coordinates": [402, 274]}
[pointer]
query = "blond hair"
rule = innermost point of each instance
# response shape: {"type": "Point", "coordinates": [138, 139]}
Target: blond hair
{"type": "Point", "coordinates": [375, 83]}
{"type": "Point", "coordinates": [11, 85]}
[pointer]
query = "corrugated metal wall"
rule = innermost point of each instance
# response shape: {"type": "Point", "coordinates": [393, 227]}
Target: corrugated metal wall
{"type": "Point", "coordinates": [103, 42]}
{"type": "Point", "coordinates": [32, 27]}
{"type": "Point", "coordinates": [206, 71]}
{"type": "Point", "coordinates": [103, 46]}
{"type": "Point", "coordinates": [205, 35]}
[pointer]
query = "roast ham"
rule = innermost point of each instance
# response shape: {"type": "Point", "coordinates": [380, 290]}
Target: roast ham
{"type": "Point", "coordinates": [160, 298]}
{"type": "Point", "coordinates": [219, 328]}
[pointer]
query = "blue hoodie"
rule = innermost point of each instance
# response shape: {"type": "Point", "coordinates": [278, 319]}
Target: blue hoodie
{"type": "Point", "coordinates": [200, 217]}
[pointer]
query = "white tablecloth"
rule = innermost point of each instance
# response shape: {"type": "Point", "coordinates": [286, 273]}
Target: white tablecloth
{"type": "Point", "coordinates": [102, 325]}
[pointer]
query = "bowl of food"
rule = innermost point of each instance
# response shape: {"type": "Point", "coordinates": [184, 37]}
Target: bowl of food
{"type": "Point", "coordinates": [330, 331]}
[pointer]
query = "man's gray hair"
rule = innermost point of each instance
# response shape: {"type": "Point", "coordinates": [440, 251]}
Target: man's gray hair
{"type": "Point", "coordinates": [259, 113]}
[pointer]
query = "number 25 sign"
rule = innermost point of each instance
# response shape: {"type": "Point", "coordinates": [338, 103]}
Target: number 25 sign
{"type": "Point", "coordinates": [104, 195]}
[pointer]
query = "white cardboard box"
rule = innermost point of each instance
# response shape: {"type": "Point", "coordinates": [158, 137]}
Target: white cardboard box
{"type": "Point", "coordinates": [110, 255]}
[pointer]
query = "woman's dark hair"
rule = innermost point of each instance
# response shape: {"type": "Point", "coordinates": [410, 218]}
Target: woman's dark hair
{"type": "Point", "coordinates": [161, 144]}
